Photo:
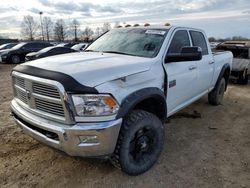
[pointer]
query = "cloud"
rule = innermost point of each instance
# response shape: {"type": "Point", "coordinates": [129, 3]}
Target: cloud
{"type": "Point", "coordinates": [7, 9]}
{"type": "Point", "coordinates": [211, 15]}
{"type": "Point", "coordinates": [246, 12]}
{"type": "Point", "coordinates": [34, 10]}
{"type": "Point", "coordinates": [45, 2]}
{"type": "Point", "coordinates": [84, 7]}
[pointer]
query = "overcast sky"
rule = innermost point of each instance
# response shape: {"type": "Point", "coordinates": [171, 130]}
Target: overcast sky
{"type": "Point", "coordinates": [219, 18]}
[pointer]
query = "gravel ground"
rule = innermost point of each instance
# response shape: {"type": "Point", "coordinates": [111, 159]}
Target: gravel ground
{"type": "Point", "coordinates": [207, 150]}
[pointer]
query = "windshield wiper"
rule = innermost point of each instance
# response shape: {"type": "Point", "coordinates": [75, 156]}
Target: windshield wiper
{"type": "Point", "coordinates": [90, 51]}
{"type": "Point", "coordinates": [115, 52]}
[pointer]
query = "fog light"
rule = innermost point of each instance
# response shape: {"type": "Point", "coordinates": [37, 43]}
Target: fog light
{"type": "Point", "coordinates": [88, 139]}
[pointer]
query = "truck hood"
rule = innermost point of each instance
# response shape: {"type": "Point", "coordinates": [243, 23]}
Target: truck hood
{"type": "Point", "coordinates": [94, 68]}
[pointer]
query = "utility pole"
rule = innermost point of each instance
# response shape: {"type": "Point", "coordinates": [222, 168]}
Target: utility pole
{"type": "Point", "coordinates": [75, 25]}
{"type": "Point", "coordinates": [75, 33]}
{"type": "Point", "coordinates": [41, 24]}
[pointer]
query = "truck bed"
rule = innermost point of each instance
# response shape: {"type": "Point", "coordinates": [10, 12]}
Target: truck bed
{"type": "Point", "coordinates": [218, 55]}
{"type": "Point", "coordinates": [221, 58]}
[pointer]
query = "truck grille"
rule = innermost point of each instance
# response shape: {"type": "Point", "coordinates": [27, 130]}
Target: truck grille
{"type": "Point", "coordinates": [45, 90]}
{"type": "Point", "coordinates": [19, 82]}
{"type": "Point", "coordinates": [53, 108]}
{"type": "Point", "coordinates": [41, 97]}
{"type": "Point", "coordinates": [22, 96]}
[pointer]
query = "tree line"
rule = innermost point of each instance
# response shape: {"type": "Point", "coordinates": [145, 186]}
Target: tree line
{"type": "Point", "coordinates": [234, 38]}
{"type": "Point", "coordinates": [48, 30]}
{"type": "Point", "coordinates": [58, 30]}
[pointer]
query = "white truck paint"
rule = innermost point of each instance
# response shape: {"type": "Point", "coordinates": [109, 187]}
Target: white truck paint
{"type": "Point", "coordinates": [127, 79]}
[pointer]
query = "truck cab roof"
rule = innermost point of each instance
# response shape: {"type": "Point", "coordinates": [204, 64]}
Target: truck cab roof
{"type": "Point", "coordinates": [162, 27]}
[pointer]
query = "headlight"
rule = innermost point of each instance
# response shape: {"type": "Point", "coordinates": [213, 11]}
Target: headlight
{"type": "Point", "coordinates": [95, 105]}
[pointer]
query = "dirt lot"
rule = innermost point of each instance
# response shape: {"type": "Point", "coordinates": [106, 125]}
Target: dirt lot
{"type": "Point", "coordinates": [209, 151]}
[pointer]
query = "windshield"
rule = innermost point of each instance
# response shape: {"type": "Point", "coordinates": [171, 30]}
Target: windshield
{"type": "Point", "coordinates": [137, 42]}
{"type": "Point", "coordinates": [19, 45]}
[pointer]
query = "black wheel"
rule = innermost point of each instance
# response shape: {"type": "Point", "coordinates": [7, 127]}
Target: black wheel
{"type": "Point", "coordinates": [140, 143]}
{"type": "Point", "coordinates": [15, 59]}
{"type": "Point", "coordinates": [215, 97]}
{"type": "Point", "coordinates": [243, 79]}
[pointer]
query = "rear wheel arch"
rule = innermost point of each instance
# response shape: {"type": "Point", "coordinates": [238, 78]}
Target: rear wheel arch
{"type": "Point", "coordinates": [151, 99]}
{"type": "Point", "coordinates": [224, 73]}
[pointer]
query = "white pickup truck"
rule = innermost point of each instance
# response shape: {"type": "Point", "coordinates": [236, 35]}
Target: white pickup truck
{"type": "Point", "coordinates": [112, 100]}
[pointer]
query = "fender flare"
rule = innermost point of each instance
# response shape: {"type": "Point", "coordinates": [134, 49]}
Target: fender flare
{"type": "Point", "coordinates": [222, 72]}
{"type": "Point", "coordinates": [129, 103]}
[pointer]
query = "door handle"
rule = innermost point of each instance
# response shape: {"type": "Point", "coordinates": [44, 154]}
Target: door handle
{"type": "Point", "coordinates": [192, 67]}
{"type": "Point", "coordinates": [211, 62]}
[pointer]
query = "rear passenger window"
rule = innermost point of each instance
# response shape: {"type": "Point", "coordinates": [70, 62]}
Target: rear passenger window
{"type": "Point", "coordinates": [179, 41]}
{"type": "Point", "coordinates": [198, 39]}
{"type": "Point", "coordinates": [42, 45]}
{"type": "Point", "coordinates": [29, 46]}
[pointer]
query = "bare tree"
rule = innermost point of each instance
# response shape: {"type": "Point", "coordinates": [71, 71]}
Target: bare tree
{"type": "Point", "coordinates": [98, 31]}
{"type": "Point", "coordinates": [212, 39]}
{"type": "Point", "coordinates": [106, 27]}
{"type": "Point", "coordinates": [117, 24]}
{"type": "Point", "coordinates": [75, 27]}
{"type": "Point", "coordinates": [239, 38]}
{"type": "Point", "coordinates": [87, 33]}
{"type": "Point", "coordinates": [29, 27]}
{"type": "Point", "coordinates": [48, 27]}
{"type": "Point", "coordinates": [60, 30]}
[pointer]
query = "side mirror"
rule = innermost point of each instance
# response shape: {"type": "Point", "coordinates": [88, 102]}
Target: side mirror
{"type": "Point", "coordinates": [187, 54]}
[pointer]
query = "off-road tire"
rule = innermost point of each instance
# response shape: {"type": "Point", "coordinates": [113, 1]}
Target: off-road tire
{"type": "Point", "coordinates": [215, 97]}
{"type": "Point", "coordinates": [124, 156]}
{"type": "Point", "coordinates": [15, 59]}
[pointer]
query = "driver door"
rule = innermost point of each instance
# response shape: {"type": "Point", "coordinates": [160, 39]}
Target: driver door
{"type": "Point", "coordinates": [182, 76]}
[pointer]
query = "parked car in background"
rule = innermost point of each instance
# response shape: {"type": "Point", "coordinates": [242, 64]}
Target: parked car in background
{"type": "Point", "coordinates": [7, 46]}
{"type": "Point", "coordinates": [80, 46]}
{"type": "Point", "coordinates": [54, 43]}
{"type": "Point", "coordinates": [17, 54]}
{"type": "Point", "coordinates": [111, 101]}
{"type": "Point", "coordinates": [68, 45]}
{"type": "Point", "coordinates": [241, 62]}
{"type": "Point", "coordinates": [49, 51]}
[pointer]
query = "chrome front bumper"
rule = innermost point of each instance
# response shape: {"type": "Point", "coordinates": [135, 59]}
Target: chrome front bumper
{"type": "Point", "coordinates": [81, 139]}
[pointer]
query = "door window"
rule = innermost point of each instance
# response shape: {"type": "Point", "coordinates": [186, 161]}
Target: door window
{"type": "Point", "coordinates": [198, 39]}
{"type": "Point", "coordinates": [179, 41]}
{"type": "Point", "coordinates": [30, 46]}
